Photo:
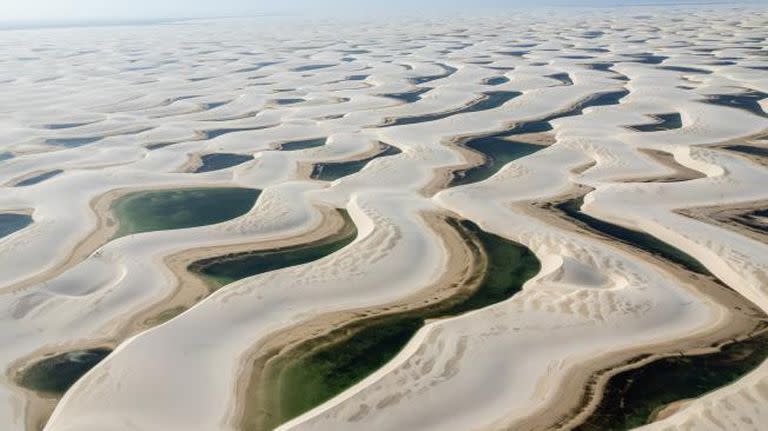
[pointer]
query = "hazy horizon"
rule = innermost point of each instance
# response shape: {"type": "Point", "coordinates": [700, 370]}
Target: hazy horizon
{"type": "Point", "coordinates": [85, 11]}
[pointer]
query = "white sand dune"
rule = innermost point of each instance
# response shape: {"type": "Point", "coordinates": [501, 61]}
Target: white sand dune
{"type": "Point", "coordinates": [131, 108]}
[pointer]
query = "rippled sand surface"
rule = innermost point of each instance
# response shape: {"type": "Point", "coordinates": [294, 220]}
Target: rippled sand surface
{"type": "Point", "coordinates": [649, 123]}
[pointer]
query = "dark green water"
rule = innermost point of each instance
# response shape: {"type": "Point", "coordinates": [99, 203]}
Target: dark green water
{"type": "Point", "coordinates": [364, 347]}
{"type": "Point", "coordinates": [57, 373]}
{"type": "Point", "coordinates": [38, 178]}
{"type": "Point", "coordinates": [408, 96]}
{"type": "Point", "coordinates": [64, 125]}
{"type": "Point", "coordinates": [646, 58]}
{"type": "Point", "coordinates": [217, 161]}
{"type": "Point", "coordinates": [312, 67]}
{"type": "Point", "coordinates": [686, 70]}
{"type": "Point", "coordinates": [332, 171]}
{"type": "Point", "coordinates": [543, 125]}
{"type": "Point", "coordinates": [302, 145]}
{"type": "Point", "coordinates": [633, 396]}
{"type": "Point", "coordinates": [749, 149]}
{"type": "Point", "coordinates": [157, 146]}
{"type": "Point", "coordinates": [289, 101]}
{"type": "Point", "coordinates": [755, 220]}
{"type": "Point", "coordinates": [603, 99]}
{"type": "Point", "coordinates": [663, 122]}
{"type": "Point", "coordinates": [12, 222]}
{"type": "Point", "coordinates": [592, 34]}
{"type": "Point", "coordinates": [215, 133]}
{"type": "Point", "coordinates": [564, 78]}
{"type": "Point", "coordinates": [223, 270]}
{"type": "Point", "coordinates": [607, 67]}
{"type": "Point", "coordinates": [496, 80]}
{"type": "Point", "coordinates": [513, 53]}
{"type": "Point", "coordinates": [577, 57]}
{"type": "Point", "coordinates": [490, 100]}
{"type": "Point", "coordinates": [603, 67]}
{"type": "Point", "coordinates": [498, 152]}
{"type": "Point", "coordinates": [214, 105]}
{"type": "Point", "coordinates": [71, 142]}
{"type": "Point", "coordinates": [642, 240]}
{"type": "Point", "coordinates": [447, 71]}
{"type": "Point", "coordinates": [181, 208]}
{"type": "Point", "coordinates": [747, 101]}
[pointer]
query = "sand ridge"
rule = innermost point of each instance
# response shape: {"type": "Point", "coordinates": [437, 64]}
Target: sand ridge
{"type": "Point", "coordinates": [248, 86]}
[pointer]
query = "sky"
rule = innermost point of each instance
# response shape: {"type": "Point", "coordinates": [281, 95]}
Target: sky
{"type": "Point", "coordinates": [14, 11]}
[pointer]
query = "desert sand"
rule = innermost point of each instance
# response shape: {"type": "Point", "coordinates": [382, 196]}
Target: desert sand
{"type": "Point", "coordinates": [133, 108]}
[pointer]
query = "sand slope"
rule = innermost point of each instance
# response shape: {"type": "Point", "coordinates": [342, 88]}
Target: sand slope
{"type": "Point", "coordinates": [133, 108]}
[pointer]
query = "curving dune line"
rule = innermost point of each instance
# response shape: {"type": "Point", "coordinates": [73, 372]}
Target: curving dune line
{"type": "Point", "coordinates": [641, 201]}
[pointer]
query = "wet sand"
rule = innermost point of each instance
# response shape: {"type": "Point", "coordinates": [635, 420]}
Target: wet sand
{"type": "Point", "coordinates": [191, 287]}
{"type": "Point", "coordinates": [463, 273]}
{"type": "Point", "coordinates": [581, 392]}
{"type": "Point", "coordinates": [442, 177]}
{"type": "Point", "coordinates": [681, 173]}
{"type": "Point", "coordinates": [739, 218]}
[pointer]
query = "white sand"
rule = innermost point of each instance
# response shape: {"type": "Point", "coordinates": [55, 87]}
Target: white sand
{"type": "Point", "coordinates": [493, 368]}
